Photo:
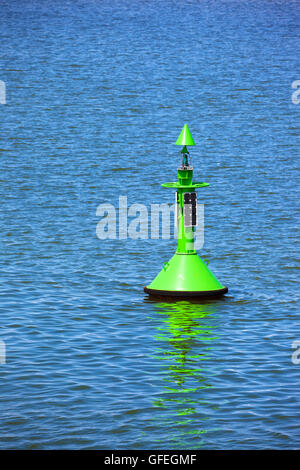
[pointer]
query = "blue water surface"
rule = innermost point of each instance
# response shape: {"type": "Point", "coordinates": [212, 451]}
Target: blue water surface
{"type": "Point", "coordinates": [97, 92]}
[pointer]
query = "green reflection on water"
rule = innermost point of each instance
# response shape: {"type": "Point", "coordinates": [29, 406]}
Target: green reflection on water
{"type": "Point", "coordinates": [186, 334]}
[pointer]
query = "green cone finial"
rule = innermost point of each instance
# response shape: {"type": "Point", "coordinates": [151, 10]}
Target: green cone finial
{"type": "Point", "coordinates": [185, 137]}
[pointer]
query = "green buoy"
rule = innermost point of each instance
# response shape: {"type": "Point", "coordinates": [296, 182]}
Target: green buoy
{"type": "Point", "coordinates": [186, 275]}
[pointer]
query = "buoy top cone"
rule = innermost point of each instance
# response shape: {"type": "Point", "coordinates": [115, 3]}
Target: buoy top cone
{"type": "Point", "coordinates": [185, 137]}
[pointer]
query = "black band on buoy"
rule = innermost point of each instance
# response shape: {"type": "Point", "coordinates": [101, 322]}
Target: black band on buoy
{"type": "Point", "coordinates": [187, 294]}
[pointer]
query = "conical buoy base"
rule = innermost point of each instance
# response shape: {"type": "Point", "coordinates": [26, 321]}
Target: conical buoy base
{"type": "Point", "coordinates": [186, 276]}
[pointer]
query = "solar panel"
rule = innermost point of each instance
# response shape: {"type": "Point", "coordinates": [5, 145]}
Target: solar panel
{"type": "Point", "coordinates": [190, 209]}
